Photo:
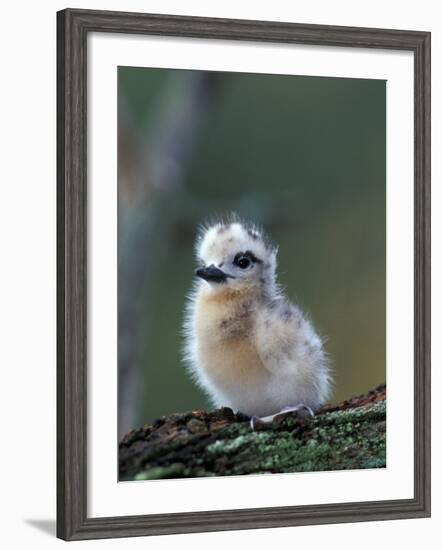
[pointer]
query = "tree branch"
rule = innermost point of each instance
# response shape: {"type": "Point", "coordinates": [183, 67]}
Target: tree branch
{"type": "Point", "coordinates": [350, 435]}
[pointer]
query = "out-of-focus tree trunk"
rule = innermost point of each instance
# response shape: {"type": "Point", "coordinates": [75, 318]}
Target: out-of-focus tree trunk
{"type": "Point", "coordinates": [152, 163]}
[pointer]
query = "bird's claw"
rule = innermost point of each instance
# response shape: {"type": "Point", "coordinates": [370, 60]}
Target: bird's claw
{"type": "Point", "coordinates": [303, 411]}
{"type": "Point", "coordinates": [252, 422]}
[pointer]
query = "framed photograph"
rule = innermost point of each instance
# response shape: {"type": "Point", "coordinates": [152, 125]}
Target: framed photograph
{"type": "Point", "coordinates": [243, 270]}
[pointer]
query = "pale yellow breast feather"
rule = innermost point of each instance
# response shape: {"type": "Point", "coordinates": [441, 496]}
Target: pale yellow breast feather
{"type": "Point", "coordinates": [225, 347]}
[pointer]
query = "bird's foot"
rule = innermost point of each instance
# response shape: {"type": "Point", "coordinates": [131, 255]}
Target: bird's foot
{"type": "Point", "coordinates": [303, 411]}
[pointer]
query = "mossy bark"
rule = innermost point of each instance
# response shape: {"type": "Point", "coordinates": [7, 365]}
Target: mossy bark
{"type": "Point", "coordinates": [350, 435]}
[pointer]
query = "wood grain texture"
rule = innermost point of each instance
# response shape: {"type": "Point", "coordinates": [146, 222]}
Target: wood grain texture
{"type": "Point", "coordinates": [72, 29]}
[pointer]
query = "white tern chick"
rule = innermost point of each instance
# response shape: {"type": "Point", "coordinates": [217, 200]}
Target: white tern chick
{"type": "Point", "coordinates": [246, 345]}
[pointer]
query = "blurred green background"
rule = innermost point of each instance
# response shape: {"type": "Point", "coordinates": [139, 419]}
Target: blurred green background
{"type": "Point", "coordinates": [304, 157]}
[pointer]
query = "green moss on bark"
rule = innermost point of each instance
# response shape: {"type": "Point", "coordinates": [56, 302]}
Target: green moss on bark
{"type": "Point", "coordinates": [196, 444]}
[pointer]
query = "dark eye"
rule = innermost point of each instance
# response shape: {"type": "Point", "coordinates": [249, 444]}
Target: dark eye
{"type": "Point", "coordinates": [242, 261]}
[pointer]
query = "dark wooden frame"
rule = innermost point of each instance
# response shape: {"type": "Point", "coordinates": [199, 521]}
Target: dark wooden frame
{"type": "Point", "coordinates": [73, 27]}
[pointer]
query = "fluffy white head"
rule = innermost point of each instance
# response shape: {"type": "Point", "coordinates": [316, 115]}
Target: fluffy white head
{"type": "Point", "coordinates": [236, 256]}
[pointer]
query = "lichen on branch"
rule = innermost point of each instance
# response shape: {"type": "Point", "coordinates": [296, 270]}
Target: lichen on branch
{"type": "Point", "coordinates": [350, 435]}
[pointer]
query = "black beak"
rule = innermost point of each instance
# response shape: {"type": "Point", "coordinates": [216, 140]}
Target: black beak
{"type": "Point", "coordinates": [212, 273]}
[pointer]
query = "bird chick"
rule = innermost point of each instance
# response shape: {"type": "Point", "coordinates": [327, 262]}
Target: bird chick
{"type": "Point", "coordinates": [246, 344]}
